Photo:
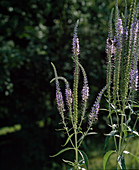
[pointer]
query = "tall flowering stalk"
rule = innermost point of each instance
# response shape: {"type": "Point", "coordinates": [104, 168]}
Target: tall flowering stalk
{"type": "Point", "coordinates": [122, 71]}
{"type": "Point", "coordinates": [76, 119]}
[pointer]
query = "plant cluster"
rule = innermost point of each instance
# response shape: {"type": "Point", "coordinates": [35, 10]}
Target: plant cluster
{"type": "Point", "coordinates": [122, 83]}
{"type": "Point", "coordinates": [122, 71]}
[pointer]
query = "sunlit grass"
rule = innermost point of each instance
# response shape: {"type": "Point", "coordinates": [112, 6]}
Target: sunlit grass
{"type": "Point", "coordinates": [96, 157]}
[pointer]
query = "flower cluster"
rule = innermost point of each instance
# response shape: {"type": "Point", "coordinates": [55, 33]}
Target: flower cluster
{"type": "Point", "coordinates": [110, 47]}
{"type": "Point", "coordinates": [85, 92]}
{"type": "Point", "coordinates": [76, 48]}
{"type": "Point", "coordinates": [75, 42]}
{"type": "Point", "coordinates": [118, 33]}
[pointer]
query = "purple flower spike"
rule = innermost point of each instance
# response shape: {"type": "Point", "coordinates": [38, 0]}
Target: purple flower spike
{"type": "Point", "coordinates": [95, 109]}
{"type": "Point", "coordinates": [75, 43]}
{"type": "Point", "coordinates": [60, 102]}
{"type": "Point", "coordinates": [134, 79]}
{"type": "Point", "coordinates": [118, 34]}
{"type": "Point", "coordinates": [68, 96]}
{"type": "Point", "coordinates": [120, 26]}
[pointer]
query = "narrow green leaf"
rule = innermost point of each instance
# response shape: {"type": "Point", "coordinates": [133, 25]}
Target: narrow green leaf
{"type": "Point", "coordinates": [121, 162]}
{"type": "Point", "coordinates": [135, 105]}
{"type": "Point", "coordinates": [106, 157]}
{"type": "Point", "coordinates": [84, 156]}
{"type": "Point", "coordinates": [68, 139]}
{"type": "Point", "coordinates": [63, 150]}
{"type": "Point", "coordinates": [136, 157]}
{"type": "Point", "coordinates": [131, 130]}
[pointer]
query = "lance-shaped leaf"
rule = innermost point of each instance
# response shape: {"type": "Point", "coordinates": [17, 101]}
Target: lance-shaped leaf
{"type": "Point", "coordinates": [69, 162]}
{"type": "Point", "coordinates": [63, 150]}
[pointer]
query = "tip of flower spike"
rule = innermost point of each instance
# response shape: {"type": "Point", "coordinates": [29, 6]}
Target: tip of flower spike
{"type": "Point", "coordinates": [76, 26]}
{"type": "Point", "coordinates": [75, 42]}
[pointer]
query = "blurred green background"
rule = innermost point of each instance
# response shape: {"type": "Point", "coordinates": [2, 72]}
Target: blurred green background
{"type": "Point", "coordinates": [34, 33]}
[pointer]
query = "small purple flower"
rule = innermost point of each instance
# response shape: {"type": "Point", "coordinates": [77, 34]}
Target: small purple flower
{"type": "Point", "coordinates": [60, 102]}
{"type": "Point", "coordinates": [85, 92]}
{"type": "Point", "coordinates": [76, 48]}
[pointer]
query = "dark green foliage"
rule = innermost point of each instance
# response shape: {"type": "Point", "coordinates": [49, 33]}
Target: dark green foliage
{"type": "Point", "coordinates": [33, 33]}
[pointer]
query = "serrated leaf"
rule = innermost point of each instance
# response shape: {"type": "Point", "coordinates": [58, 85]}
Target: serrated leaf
{"type": "Point", "coordinates": [129, 136]}
{"type": "Point", "coordinates": [59, 129]}
{"type": "Point", "coordinates": [110, 113]}
{"type": "Point", "coordinates": [106, 157]}
{"type": "Point", "coordinates": [131, 130]}
{"type": "Point", "coordinates": [112, 133]}
{"type": "Point", "coordinates": [106, 142]}
{"type": "Point", "coordinates": [92, 133]}
{"type": "Point", "coordinates": [81, 138]}
{"type": "Point", "coordinates": [84, 156]}
{"type": "Point", "coordinates": [63, 150]}
{"type": "Point", "coordinates": [68, 139]}
{"type": "Point", "coordinates": [104, 109]}
{"type": "Point", "coordinates": [136, 157]}
{"type": "Point", "coordinates": [121, 162]}
{"type": "Point", "coordinates": [114, 126]}
{"type": "Point", "coordinates": [68, 162]}
{"type": "Point", "coordinates": [118, 136]}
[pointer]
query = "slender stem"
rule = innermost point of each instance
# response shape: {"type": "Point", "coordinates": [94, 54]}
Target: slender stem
{"type": "Point", "coordinates": [67, 132]}
{"type": "Point", "coordinates": [76, 149]}
{"type": "Point", "coordinates": [121, 133]}
{"type": "Point", "coordinates": [85, 135]}
{"type": "Point", "coordinates": [83, 113]}
{"type": "Point", "coordinates": [75, 108]}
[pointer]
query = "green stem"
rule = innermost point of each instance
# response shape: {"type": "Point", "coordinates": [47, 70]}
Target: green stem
{"type": "Point", "coordinates": [83, 113]}
{"type": "Point", "coordinates": [75, 93]}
